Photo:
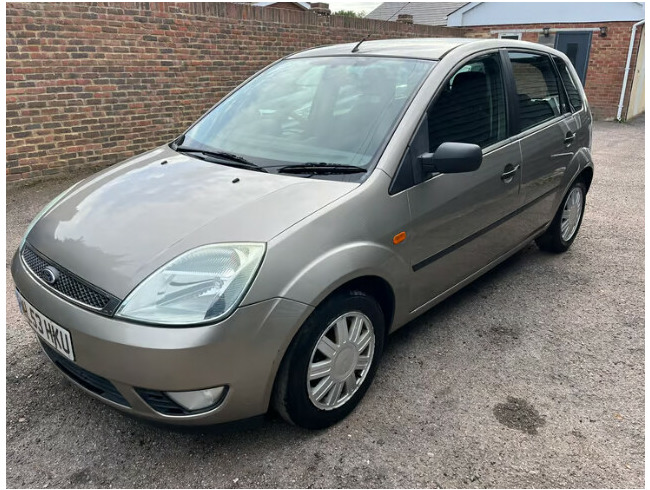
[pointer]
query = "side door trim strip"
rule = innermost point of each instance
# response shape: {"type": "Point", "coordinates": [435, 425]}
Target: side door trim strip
{"type": "Point", "coordinates": [429, 260]}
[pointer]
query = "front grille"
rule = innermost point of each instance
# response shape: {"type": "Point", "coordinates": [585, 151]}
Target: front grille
{"type": "Point", "coordinates": [92, 382]}
{"type": "Point", "coordinates": [69, 285]}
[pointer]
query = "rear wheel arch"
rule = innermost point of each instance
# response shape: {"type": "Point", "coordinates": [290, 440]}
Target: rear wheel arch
{"type": "Point", "coordinates": [557, 238]}
{"type": "Point", "coordinates": [586, 176]}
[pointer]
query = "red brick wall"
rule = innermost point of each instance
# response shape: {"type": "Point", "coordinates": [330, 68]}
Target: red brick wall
{"type": "Point", "coordinates": [607, 58]}
{"type": "Point", "coordinates": [95, 83]}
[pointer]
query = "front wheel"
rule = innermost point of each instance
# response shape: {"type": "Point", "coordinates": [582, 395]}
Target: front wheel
{"type": "Point", "coordinates": [331, 361]}
{"type": "Point", "coordinates": [564, 228]}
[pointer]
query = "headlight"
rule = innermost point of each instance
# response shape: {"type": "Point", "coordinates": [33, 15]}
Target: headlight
{"type": "Point", "coordinates": [206, 283]}
{"type": "Point", "coordinates": [43, 211]}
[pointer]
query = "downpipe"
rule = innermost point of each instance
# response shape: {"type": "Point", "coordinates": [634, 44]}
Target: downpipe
{"type": "Point", "coordinates": [627, 70]}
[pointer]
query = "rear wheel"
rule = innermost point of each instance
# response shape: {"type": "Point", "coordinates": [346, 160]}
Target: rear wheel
{"type": "Point", "coordinates": [564, 228]}
{"type": "Point", "coordinates": [331, 361]}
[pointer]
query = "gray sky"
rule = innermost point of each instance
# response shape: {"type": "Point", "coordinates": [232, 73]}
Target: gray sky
{"type": "Point", "coordinates": [356, 6]}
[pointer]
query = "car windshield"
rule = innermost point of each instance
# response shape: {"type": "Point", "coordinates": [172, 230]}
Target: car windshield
{"type": "Point", "coordinates": [336, 110]}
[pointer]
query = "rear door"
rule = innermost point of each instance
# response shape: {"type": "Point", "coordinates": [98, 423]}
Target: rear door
{"type": "Point", "coordinates": [548, 133]}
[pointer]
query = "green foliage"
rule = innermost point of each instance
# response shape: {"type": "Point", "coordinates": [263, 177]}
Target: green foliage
{"type": "Point", "coordinates": [351, 13]}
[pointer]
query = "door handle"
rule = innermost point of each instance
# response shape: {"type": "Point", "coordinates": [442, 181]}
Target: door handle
{"type": "Point", "coordinates": [509, 172]}
{"type": "Point", "coordinates": [568, 139]}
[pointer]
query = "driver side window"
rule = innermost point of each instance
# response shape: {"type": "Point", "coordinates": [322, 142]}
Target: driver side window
{"type": "Point", "coordinates": [471, 107]}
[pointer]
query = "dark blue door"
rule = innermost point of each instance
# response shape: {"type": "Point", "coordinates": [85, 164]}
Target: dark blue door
{"type": "Point", "coordinates": [576, 46]}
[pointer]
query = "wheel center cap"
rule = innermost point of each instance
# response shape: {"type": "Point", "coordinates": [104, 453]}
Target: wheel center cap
{"type": "Point", "coordinates": [344, 362]}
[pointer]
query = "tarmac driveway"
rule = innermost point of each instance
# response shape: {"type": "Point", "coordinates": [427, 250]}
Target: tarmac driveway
{"type": "Point", "coordinates": [531, 377]}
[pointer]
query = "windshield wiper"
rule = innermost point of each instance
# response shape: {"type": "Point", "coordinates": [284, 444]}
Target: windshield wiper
{"type": "Point", "coordinates": [222, 157]}
{"type": "Point", "coordinates": [321, 168]}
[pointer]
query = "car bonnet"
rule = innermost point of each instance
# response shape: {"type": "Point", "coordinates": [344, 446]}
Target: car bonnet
{"type": "Point", "coordinates": [122, 224]}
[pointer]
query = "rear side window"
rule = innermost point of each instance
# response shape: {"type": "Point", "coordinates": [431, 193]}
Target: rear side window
{"type": "Point", "coordinates": [537, 88]}
{"type": "Point", "coordinates": [471, 107]}
{"type": "Point", "coordinates": [569, 84]}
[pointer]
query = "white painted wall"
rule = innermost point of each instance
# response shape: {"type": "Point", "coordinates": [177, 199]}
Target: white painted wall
{"type": "Point", "coordinates": [499, 13]}
{"type": "Point", "coordinates": [637, 96]}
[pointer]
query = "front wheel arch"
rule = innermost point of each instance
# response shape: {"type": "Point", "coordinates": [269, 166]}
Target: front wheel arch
{"type": "Point", "coordinates": [377, 288]}
{"type": "Point", "coordinates": [289, 397]}
{"type": "Point", "coordinates": [374, 286]}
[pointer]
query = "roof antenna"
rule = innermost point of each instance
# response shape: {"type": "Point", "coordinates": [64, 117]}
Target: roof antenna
{"type": "Point", "coordinates": [356, 48]}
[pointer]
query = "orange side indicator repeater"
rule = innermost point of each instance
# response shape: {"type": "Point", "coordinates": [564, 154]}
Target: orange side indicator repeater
{"type": "Point", "coordinates": [399, 238]}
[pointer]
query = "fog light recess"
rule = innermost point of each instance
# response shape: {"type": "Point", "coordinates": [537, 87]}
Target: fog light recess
{"type": "Point", "coordinates": [199, 399]}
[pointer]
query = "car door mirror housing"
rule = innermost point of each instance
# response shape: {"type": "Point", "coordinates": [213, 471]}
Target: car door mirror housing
{"type": "Point", "coordinates": [452, 158]}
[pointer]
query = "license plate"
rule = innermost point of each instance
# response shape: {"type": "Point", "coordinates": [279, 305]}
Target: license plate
{"type": "Point", "coordinates": [55, 335]}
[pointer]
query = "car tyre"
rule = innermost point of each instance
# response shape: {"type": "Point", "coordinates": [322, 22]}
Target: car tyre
{"type": "Point", "coordinates": [339, 344]}
{"type": "Point", "coordinates": [565, 225]}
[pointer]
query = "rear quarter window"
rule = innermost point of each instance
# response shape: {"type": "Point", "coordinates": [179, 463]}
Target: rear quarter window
{"type": "Point", "coordinates": [569, 84]}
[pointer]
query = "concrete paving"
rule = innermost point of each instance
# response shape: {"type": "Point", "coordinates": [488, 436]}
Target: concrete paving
{"type": "Point", "coordinates": [533, 376]}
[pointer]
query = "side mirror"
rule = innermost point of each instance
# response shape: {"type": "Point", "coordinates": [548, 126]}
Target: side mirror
{"type": "Point", "coordinates": [452, 158]}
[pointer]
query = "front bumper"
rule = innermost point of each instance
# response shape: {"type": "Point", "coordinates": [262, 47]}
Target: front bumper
{"type": "Point", "coordinates": [242, 352]}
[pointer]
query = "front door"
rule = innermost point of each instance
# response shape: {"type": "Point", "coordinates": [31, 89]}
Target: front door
{"type": "Point", "coordinates": [576, 46]}
{"type": "Point", "coordinates": [460, 222]}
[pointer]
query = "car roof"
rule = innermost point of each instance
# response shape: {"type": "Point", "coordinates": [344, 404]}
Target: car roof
{"type": "Point", "coordinates": [422, 48]}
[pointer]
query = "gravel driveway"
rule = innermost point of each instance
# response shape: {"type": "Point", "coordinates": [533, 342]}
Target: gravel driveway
{"type": "Point", "coordinates": [533, 376]}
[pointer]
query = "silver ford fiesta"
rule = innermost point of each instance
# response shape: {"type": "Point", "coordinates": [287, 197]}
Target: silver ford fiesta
{"type": "Point", "coordinates": [261, 259]}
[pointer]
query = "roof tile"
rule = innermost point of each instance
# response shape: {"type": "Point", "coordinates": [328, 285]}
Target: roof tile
{"type": "Point", "coordinates": [428, 13]}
